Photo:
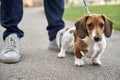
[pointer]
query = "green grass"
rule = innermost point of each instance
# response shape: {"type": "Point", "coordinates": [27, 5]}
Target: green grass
{"type": "Point", "coordinates": [111, 11]}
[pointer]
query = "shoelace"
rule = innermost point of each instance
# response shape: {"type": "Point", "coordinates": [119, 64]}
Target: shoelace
{"type": "Point", "coordinates": [11, 45]}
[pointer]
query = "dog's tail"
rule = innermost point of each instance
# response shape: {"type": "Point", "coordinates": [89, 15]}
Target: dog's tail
{"type": "Point", "coordinates": [59, 37]}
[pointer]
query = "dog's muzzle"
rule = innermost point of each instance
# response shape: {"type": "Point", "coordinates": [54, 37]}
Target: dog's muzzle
{"type": "Point", "coordinates": [96, 38]}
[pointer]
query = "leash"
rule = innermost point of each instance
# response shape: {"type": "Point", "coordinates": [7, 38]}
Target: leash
{"type": "Point", "coordinates": [87, 10]}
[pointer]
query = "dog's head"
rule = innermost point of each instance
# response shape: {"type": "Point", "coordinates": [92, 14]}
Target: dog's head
{"type": "Point", "coordinates": [94, 26]}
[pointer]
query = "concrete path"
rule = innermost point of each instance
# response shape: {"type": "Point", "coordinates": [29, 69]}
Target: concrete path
{"type": "Point", "coordinates": [39, 63]}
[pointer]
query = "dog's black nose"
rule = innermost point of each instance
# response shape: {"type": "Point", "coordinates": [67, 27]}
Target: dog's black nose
{"type": "Point", "coordinates": [97, 38]}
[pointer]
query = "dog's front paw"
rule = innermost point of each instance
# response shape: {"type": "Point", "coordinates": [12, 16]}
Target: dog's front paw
{"type": "Point", "coordinates": [96, 62]}
{"type": "Point", "coordinates": [61, 55]}
{"type": "Point", "coordinates": [79, 62]}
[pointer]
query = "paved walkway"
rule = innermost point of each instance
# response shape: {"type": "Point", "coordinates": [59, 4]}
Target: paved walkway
{"type": "Point", "coordinates": [39, 63]}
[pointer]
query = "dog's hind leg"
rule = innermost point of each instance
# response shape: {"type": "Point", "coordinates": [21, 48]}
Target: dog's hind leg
{"type": "Point", "coordinates": [62, 52]}
{"type": "Point", "coordinates": [65, 42]}
{"type": "Point", "coordinates": [64, 46]}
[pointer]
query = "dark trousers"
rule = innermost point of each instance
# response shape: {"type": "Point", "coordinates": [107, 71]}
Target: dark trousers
{"type": "Point", "coordinates": [54, 10]}
{"type": "Point", "coordinates": [12, 12]}
{"type": "Point", "coordinates": [11, 15]}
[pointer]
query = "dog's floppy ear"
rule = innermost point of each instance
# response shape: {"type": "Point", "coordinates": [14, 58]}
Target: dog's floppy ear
{"type": "Point", "coordinates": [108, 26]}
{"type": "Point", "coordinates": [80, 27]}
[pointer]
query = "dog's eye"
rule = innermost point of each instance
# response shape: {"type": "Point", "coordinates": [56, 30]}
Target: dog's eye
{"type": "Point", "coordinates": [90, 26]}
{"type": "Point", "coordinates": [101, 25]}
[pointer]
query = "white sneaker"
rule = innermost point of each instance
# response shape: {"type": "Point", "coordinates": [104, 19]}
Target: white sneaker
{"type": "Point", "coordinates": [10, 52]}
{"type": "Point", "coordinates": [53, 46]}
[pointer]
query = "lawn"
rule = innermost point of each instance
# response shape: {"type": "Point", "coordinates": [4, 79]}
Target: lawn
{"type": "Point", "coordinates": [111, 11]}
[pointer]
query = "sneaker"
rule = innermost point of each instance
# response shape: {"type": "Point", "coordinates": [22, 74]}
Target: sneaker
{"type": "Point", "coordinates": [53, 46]}
{"type": "Point", "coordinates": [10, 52]}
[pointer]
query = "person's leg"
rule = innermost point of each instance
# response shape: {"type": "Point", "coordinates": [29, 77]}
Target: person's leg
{"type": "Point", "coordinates": [11, 15]}
{"type": "Point", "coordinates": [54, 10]}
